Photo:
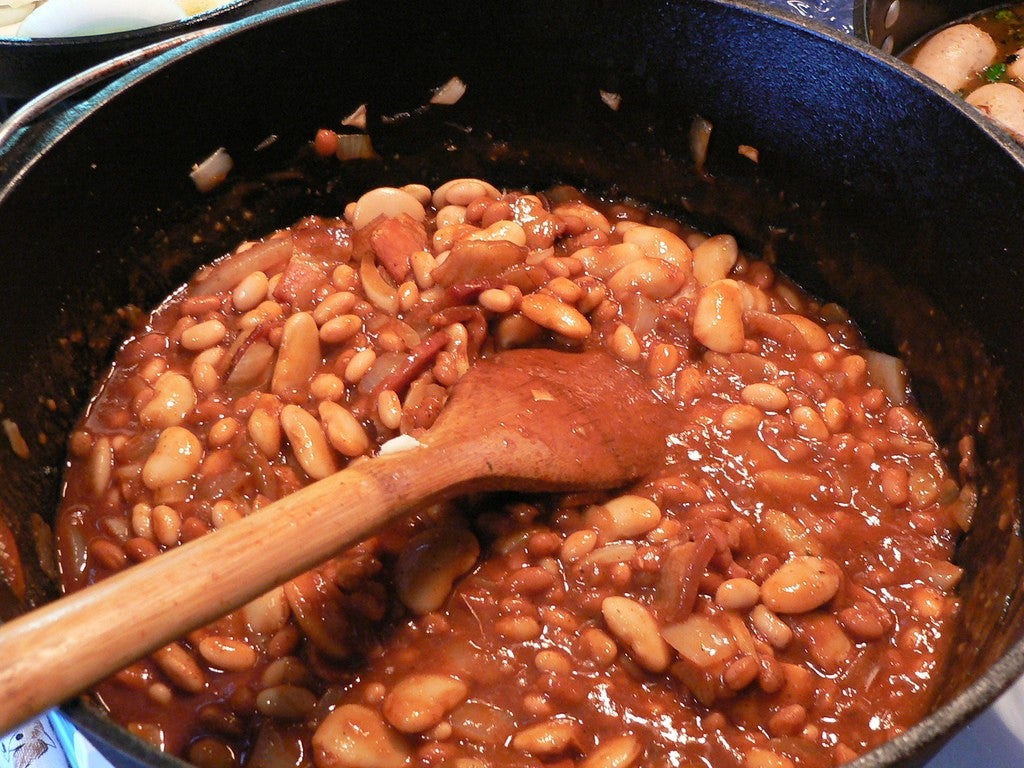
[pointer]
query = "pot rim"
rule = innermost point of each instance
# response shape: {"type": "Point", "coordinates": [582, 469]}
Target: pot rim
{"type": "Point", "coordinates": [925, 736]}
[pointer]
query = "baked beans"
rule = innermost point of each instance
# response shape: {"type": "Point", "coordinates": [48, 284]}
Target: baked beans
{"type": "Point", "coordinates": [777, 594]}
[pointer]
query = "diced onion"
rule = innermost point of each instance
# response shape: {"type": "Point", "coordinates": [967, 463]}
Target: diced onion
{"type": "Point", "coordinates": [400, 444]}
{"type": "Point", "coordinates": [357, 119]}
{"type": "Point", "coordinates": [450, 92]}
{"type": "Point", "coordinates": [354, 146]}
{"type": "Point", "coordinates": [210, 173]}
{"type": "Point", "coordinates": [888, 374]}
{"type": "Point", "coordinates": [700, 138]}
{"type": "Point", "coordinates": [611, 100]}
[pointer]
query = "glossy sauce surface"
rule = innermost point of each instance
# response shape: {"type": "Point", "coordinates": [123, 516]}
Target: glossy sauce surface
{"type": "Point", "coordinates": [776, 594]}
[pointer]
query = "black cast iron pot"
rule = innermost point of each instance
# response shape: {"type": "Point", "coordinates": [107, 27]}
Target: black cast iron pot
{"type": "Point", "coordinates": [872, 189]}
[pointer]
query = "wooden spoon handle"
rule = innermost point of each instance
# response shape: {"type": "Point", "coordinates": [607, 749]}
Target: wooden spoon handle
{"type": "Point", "coordinates": [61, 649]}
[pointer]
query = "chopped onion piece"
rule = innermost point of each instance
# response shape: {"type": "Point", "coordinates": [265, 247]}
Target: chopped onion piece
{"type": "Point", "coordinates": [612, 100]}
{"type": "Point", "coordinates": [380, 293]}
{"type": "Point", "coordinates": [700, 137]}
{"type": "Point", "coordinates": [18, 444]}
{"type": "Point", "coordinates": [357, 119]}
{"type": "Point", "coordinates": [887, 373]}
{"type": "Point", "coordinates": [450, 92]}
{"type": "Point", "coordinates": [354, 146]}
{"type": "Point", "coordinates": [751, 153]}
{"type": "Point", "coordinates": [400, 444]}
{"type": "Point", "coordinates": [210, 173]}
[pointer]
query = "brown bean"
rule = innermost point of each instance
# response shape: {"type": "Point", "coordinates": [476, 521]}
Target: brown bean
{"type": "Point", "coordinates": [286, 702]}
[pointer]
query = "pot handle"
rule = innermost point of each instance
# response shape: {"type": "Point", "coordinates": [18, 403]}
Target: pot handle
{"type": "Point", "coordinates": [51, 98]}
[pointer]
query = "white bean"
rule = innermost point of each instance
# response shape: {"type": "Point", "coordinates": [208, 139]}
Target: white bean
{"type": "Point", "coordinates": [386, 201]}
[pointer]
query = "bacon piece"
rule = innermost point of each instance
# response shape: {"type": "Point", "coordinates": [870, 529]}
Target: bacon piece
{"type": "Point", "coordinates": [417, 361]}
{"type": "Point", "coordinates": [394, 240]}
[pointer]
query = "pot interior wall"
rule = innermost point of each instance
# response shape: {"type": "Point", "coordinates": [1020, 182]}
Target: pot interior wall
{"type": "Point", "coordinates": [851, 195]}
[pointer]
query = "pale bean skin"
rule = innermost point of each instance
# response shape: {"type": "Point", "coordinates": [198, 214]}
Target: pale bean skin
{"type": "Point", "coordinates": [166, 525]}
{"type": "Point", "coordinates": [634, 626]}
{"type": "Point", "coordinates": [814, 335]}
{"type": "Point", "coordinates": [659, 243]}
{"type": "Point", "coordinates": [767, 397]}
{"type": "Point", "coordinates": [338, 330]}
{"type": "Point", "coordinates": [308, 441]}
{"type": "Point", "coordinates": [650, 277]}
{"type": "Point", "coordinates": [1004, 103]}
{"type": "Point", "coordinates": [738, 594]}
{"type": "Point", "coordinates": [265, 432]}
{"type": "Point", "coordinates": [418, 702]}
{"type": "Point", "coordinates": [624, 517]}
{"type": "Point", "coordinates": [386, 201]}
{"type": "Point", "coordinates": [714, 258]}
{"type": "Point", "coordinates": [954, 55]}
{"type": "Point", "coordinates": [227, 653]}
{"type": "Point", "coordinates": [298, 357]}
{"type": "Point", "coordinates": [178, 664]}
{"type": "Point", "coordinates": [173, 399]}
{"type": "Point", "coordinates": [548, 312]}
{"type": "Point", "coordinates": [250, 291]}
{"type": "Point", "coordinates": [343, 430]}
{"type": "Point", "coordinates": [548, 738]}
{"type": "Point", "coordinates": [354, 736]}
{"type": "Point", "coordinates": [718, 318]}
{"type": "Point", "coordinates": [101, 465]}
{"type": "Point", "coordinates": [429, 565]}
{"type": "Point", "coordinates": [616, 752]}
{"type": "Point", "coordinates": [603, 261]}
{"type": "Point", "coordinates": [267, 613]}
{"type": "Point", "coordinates": [203, 335]}
{"type": "Point", "coordinates": [177, 456]}
{"type": "Point", "coordinates": [501, 230]}
{"type": "Point", "coordinates": [801, 584]}
{"type": "Point", "coordinates": [624, 344]}
{"type": "Point", "coordinates": [462, 192]}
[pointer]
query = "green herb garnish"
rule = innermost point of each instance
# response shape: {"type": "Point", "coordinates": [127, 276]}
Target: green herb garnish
{"type": "Point", "coordinates": [995, 72]}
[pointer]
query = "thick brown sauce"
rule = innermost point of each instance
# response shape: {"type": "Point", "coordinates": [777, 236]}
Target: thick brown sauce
{"type": "Point", "coordinates": [796, 477]}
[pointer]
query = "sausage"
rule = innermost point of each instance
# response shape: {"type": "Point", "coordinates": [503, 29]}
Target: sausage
{"type": "Point", "coordinates": [1004, 103]}
{"type": "Point", "coordinates": [955, 55]}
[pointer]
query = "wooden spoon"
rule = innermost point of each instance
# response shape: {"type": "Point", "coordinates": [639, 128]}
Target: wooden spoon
{"type": "Point", "coordinates": [534, 420]}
